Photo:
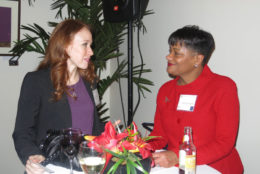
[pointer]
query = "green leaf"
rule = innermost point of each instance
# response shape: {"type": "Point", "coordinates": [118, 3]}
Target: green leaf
{"type": "Point", "coordinates": [115, 154]}
{"type": "Point", "coordinates": [32, 44]}
{"type": "Point", "coordinates": [131, 166]}
{"type": "Point", "coordinates": [128, 168]}
{"type": "Point", "coordinates": [150, 137]}
{"type": "Point", "coordinates": [115, 166]}
{"type": "Point", "coordinates": [30, 2]}
{"type": "Point", "coordinates": [139, 167]}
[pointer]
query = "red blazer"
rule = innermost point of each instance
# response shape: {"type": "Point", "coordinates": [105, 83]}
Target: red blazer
{"type": "Point", "coordinates": [214, 120]}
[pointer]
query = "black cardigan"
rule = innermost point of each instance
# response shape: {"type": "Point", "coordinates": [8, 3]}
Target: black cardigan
{"type": "Point", "coordinates": [37, 113]}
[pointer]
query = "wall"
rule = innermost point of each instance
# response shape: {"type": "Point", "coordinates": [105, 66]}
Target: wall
{"type": "Point", "coordinates": [235, 26]}
{"type": "Point", "coordinates": [11, 78]}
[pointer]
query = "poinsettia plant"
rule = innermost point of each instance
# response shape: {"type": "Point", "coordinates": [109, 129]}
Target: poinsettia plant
{"type": "Point", "coordinates": [124, 148]}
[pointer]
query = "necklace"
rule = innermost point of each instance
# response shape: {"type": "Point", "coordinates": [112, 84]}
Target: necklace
{"type": "Point", "coordinates": [71, 90]}
{"type": "Point", "coordinates": [73, 93]}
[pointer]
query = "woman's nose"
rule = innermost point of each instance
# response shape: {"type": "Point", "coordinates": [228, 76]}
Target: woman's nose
{"type": "Point", "coordinates": [169, 56]}
{"type": "Point", "coordinates": [90, 51]}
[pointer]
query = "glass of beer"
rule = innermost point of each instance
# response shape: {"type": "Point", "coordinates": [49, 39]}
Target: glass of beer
{"type": "Point", "coordinates": [91, 157]}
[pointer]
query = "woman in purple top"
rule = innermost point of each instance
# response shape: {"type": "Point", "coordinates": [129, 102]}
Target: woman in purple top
{"type": "Point", "coordinates": [58, 94]}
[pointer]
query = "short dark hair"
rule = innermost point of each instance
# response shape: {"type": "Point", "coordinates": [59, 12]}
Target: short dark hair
{"type": "Point", "coordinates": [194, 38]}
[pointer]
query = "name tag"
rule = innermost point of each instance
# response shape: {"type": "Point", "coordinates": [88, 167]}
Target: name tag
{"type": "Point", "coordinates": [187, 102]}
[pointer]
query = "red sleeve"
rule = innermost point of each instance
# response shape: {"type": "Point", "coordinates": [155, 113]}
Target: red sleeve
{"type": "Point", "coordinates": [227, 109]}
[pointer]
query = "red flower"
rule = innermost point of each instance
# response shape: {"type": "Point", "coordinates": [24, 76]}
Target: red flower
{"type": "Point", "coordinates": [109, 138]}
{"type": "Point", "coordinates": [130, 140]}
{"type": "Point", "coordinates": [122, 144]}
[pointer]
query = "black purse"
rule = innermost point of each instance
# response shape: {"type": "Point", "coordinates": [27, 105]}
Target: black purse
{"type": "Point", "coordinates": [51, 149]}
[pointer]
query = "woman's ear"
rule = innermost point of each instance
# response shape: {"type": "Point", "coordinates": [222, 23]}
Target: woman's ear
{"type": "Point", "coordinates": [68, 50]}
{"type": "Point", "coordinates": [199, 59]}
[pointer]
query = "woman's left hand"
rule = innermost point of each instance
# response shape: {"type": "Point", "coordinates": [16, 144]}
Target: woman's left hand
{"type": "Point", "coordinates": [165, 158]}
{"type": "Point", "coordinates": [31, 166]}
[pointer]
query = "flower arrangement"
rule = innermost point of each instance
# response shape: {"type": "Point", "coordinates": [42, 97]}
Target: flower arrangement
{"type": "Point", "coordinates": [124, 148]}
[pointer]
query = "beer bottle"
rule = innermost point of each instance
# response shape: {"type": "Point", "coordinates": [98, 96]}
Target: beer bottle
{"type": "Point", "coordinates": [187, 153]}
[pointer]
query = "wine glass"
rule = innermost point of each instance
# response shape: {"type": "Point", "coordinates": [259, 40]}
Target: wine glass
{"type": "Point", "coordinates": [69, 144]}
{"type": "Point", "coordinates": [91, 157]}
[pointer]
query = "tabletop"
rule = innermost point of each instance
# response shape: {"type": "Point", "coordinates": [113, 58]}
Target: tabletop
{"type": "Point", "coordinates": [200, 169]}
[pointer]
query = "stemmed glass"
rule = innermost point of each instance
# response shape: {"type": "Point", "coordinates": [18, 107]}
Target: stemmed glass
{"type": "Point", "coordinates": [91, 157]}
{"type": "Point", "coordinates": [69, 143]}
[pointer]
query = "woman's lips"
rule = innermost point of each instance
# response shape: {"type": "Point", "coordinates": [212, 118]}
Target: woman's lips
{"type": "Point", "coordinates": [170, 64]}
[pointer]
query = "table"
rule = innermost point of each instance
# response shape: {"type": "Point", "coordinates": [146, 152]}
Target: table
{"type": "Point", "coordinates": [201, 169]}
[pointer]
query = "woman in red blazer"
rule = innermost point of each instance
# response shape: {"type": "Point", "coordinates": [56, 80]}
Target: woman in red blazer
{"type": "Point", "coordinates": [199, 98]}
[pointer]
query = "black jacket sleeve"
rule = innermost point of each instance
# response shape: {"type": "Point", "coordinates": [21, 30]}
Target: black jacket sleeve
{"type": "Point", "coordinates": [24, 134]}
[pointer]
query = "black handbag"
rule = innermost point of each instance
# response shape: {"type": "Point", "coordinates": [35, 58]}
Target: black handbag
{"type": "Point", "coordinates": [51, 149]}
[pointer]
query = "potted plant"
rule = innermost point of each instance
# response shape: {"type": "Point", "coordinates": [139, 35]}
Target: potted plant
{"type": "Point", "coordinates": [127, 151]}
{"type": "Point", "coordinates": [107, 39]}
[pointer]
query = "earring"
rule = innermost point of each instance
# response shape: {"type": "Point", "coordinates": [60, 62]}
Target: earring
{"type": "Point", "coordinates": [196, 65]}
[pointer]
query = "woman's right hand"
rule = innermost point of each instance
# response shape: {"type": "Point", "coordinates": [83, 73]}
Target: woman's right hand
{"type": "Point", "coordinates": [165, 158]}
{"type": "Point", "coordinates": [31, 166]}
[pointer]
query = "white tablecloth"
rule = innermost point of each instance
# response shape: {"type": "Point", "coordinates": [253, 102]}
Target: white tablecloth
{"type": "Point", "coordinates": [201, 169]}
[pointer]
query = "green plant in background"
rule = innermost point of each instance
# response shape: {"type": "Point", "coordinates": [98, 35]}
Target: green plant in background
{"type": "Point", "coordinates": [107, 37]}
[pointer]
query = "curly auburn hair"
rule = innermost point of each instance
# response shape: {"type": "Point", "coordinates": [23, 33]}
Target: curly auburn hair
{"type": "Point", "coordinates": [56, 56]}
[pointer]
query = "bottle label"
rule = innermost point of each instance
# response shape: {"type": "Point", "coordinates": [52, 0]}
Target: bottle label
{"type": "Point", "coordinates": [190, 162]}
{"type": "Point", "coordinates": [182, 156]}
{"type": "Point", "coordinates": [187, 162]}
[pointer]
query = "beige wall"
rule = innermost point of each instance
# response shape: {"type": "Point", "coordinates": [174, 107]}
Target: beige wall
{"type": "Point", "coordinates": [235, 26]}
{"type": "Point", "coordinates": [11, 79]}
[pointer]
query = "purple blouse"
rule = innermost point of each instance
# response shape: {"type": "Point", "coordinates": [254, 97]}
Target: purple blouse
{"type": "Point", "coordinates": [82, 109]}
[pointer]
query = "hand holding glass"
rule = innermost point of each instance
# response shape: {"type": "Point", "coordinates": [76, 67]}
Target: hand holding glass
{"type": "Point", "coordinates": [92, 159]}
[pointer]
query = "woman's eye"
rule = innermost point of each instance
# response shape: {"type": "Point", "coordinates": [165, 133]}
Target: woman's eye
{"type": "Point", "coordinates": [177, 54]}
{"type": "Point", "coordinates": [87, 44]}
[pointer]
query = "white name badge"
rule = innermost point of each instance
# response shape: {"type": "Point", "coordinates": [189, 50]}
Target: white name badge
{"type": "Point", "coordinates": [187, 102]}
